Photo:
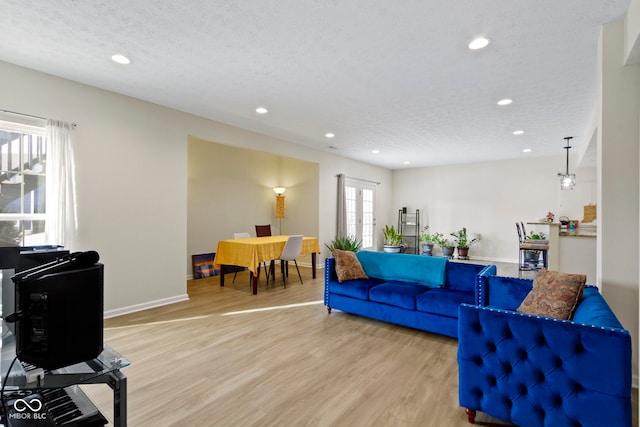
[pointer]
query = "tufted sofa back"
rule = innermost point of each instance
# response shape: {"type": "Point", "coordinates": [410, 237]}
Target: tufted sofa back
{"type": "Point", "coordinates": [537, 371]}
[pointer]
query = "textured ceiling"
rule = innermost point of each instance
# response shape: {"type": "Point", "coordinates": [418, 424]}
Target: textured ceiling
{"type": "Point", "coordinates": [395, 76]}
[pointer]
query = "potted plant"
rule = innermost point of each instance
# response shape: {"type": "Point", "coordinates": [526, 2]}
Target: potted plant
{"type": "Point", "coordinates": [539, 237]}
{"type": "Point", "coordinates": [462, 242]}
{"type": "Point", "coordinates": [346, 243]}
{"type": "Point", "coordinates": [392, 239]}
{"type": "Point", "coordinates": [447, 246]}
{"type": "Point", "coordinates": [428, 240]}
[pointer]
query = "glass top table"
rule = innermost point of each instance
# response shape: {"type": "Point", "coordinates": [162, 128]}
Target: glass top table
{"type": "Point", "coordinates": [84, 372]}
{"type": "Point", "coordinates": [104, 369]}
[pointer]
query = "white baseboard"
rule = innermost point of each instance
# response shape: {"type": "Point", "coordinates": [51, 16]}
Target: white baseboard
{"type": "Point", "coordinates": [308, 265]}
{"type": "Point", "coordinates": [145, 306]}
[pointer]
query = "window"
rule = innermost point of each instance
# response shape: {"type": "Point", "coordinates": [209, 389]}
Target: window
{"type": "Point", "coordinates": [23, 151]}
{"type": "Point", "coordinates": [360, 211]}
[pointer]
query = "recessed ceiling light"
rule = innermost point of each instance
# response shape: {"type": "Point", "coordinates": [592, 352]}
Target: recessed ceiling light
{"type": "Point", "coordinates": [375, 151]}
{"type": "Point", "coordinates": [526, 150]}
{"type": "Point", "coordinates": [406, 162]}
{"type": "Point", "coordinates": [518, 132]}
{"type": "Point", "coordinates": [261, 110]}
{"type": "Point", "coordinates": [478, 43]}
{"type": "Point", "coordinates": [329, 135]}
{"type": "Point", "coordinates": [505, 101]}
{"type": "Point", "coordinates": [120, 59]}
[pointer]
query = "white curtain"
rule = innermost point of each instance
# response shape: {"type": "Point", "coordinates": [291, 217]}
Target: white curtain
{"type": "Point", "coordinates": [341, 220]}
{"type": "Point", "coordinates": [61, 224]}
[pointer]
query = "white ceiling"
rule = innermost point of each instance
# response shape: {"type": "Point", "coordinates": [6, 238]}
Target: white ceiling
{"type": "Point", "coordinates": [395, 76]}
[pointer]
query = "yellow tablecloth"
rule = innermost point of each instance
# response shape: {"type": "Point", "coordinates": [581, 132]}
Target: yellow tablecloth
{"type": "Point", "coordinates": [250, 252]}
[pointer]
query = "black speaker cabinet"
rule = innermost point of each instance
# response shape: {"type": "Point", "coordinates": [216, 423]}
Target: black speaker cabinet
{"type": "Point", "coordinates": [20, 258]}
{"type": "Point", "coordinates": [60, 317]}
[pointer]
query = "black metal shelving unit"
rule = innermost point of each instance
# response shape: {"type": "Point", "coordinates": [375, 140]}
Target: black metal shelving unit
{"type": "Point", "coordinates": [409, 227]}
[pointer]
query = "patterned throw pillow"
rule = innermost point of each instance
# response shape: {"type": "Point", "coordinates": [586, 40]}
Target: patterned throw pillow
{"type": "Point", "coordinates": [554, 294]}
{"type": "Point", "coordinates": [347, 266]}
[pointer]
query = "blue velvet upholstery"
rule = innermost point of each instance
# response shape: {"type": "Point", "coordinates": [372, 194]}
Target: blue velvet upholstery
{"type": "Point", "coordinates": [594, 310]}
{"type": "Point", "coordinates": [396, 293]}
{"type": "Point", "coordinates": [504, 292]}
{"type": "Point", "coordinates": [354, 288]}
{"type": "Point", "coordinates": [443, 325]}
{"type": "Point", "coordinates": [443, 301]}
{"type": "Point", "coordinates": [424, 270]}
{"type": "Point", "coordinates": [538, 371]}
{"type": "Point", "coordinates": [459, 274]}
{"type": "Point", "coordinates": [396, 301]}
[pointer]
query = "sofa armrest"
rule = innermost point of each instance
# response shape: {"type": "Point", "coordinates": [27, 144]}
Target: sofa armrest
{"type": "Point", "coordinates": [483, 276]}
{"type": "Point", "coordinates": [329, 275]}
{"type": "Point", "coordinates": [533, 370]}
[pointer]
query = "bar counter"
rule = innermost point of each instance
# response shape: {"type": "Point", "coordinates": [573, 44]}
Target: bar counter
{"type": "Point", "coordinates": [571, 251]}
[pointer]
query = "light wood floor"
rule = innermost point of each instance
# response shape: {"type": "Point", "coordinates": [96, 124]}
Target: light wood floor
{"type": "Point", "coordinates": [229, 358]}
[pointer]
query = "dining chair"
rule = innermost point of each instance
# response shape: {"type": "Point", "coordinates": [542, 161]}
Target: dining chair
{"type": "Point", "coordinates": [290, 252]}
{"type": "Point", "coordinates": [264, 231]}
{"type": "Point", "coordinates": [242, 235]}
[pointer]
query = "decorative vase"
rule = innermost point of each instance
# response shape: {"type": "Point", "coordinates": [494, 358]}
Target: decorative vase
{"type": "Point", "coordinates": [463, 253]}
{"type": "Point", "coordinates": [447, 251]}
{"type": "Point", "coordinates": [388, 248]}
{"type": "Point", "coordinates": [427, 249]}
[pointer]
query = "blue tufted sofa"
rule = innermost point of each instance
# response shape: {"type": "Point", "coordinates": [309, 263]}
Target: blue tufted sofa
{"type": "Point", "coordinates": [421, 292]}
{"type": "Point", "coordinates": [538, 371]}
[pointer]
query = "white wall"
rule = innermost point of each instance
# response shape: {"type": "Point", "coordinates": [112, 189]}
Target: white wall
{"type": "Point", "coordinates": [132, 180]}
{"type": "Point", "coordinates": [489, 197]}
{"type": "Point", "coordinates": [619, 179]}
{"type": "Point", "coordinates": [129, 210]}
{"type": "Point", "coordinates": [330, 165]}
{"type": "Point", "coordinates": [632, 33]}
{"type": "Point", "coordinates": [230, 190]}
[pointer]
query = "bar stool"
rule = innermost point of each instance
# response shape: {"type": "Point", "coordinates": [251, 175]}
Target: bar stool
{"type": "Point", "coordinates": [529, 245]}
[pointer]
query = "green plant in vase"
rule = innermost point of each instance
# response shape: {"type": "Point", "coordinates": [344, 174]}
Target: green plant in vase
{"type": "Point", "coordinates": [428, 240]}
{"type": "Point", "coordinates": [463, 242]}
{"type": "Point", "coordinates": [346, 243]}
{"type": "Point", "coordinates": [532, 257]}
{"type": "Point", "coordinates": [392, 239]}
{"type": "Point", "coordinates": [536, 236]}
{"type": "Point", "coordinates": [446, 245]}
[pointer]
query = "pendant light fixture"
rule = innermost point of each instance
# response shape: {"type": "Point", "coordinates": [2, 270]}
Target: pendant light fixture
{"type": "Point", "coordinates": [567, 180]}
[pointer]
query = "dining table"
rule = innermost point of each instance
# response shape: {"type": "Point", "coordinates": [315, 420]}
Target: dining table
{"type": "Point", "coordinates": [250, 252]}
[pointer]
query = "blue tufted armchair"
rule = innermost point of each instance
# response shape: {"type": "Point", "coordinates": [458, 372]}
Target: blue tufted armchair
{"type": "Point", "coordinates": [538, 371]}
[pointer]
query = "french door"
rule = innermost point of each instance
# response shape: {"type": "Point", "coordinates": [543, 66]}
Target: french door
{"type": "Point", "coordinates": [360, 205]}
